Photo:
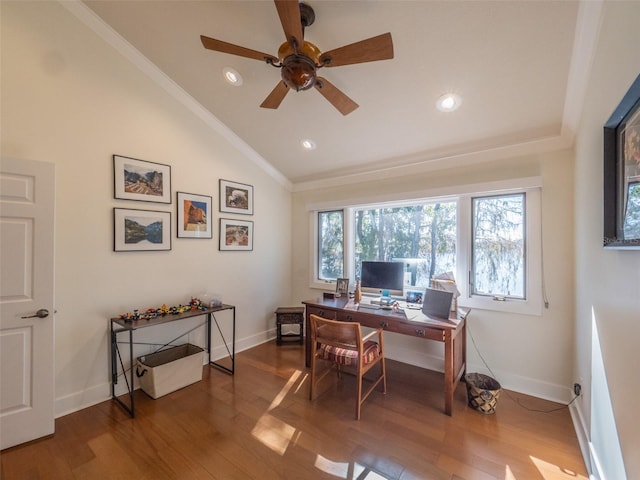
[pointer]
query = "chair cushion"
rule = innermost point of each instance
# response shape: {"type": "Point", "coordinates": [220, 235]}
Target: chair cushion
{"type": "Point", "coordinates": [345, 356]}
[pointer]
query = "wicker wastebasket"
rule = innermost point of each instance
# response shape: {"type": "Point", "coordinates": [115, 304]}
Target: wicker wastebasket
{"type": "Point", "coordinates": [482, 392]}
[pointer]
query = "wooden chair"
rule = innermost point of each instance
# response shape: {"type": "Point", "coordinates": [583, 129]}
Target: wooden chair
{"type": "Point", "coordinates": [342, 344]}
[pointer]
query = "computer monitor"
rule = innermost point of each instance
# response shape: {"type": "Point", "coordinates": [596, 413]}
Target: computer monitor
{"type": "Point", "coordinates": [382, 277]}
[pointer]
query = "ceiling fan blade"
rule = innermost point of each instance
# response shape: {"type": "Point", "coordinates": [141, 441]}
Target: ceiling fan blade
{"type": "Point", "coordinates": [289, 12]}
{"type": "Point", "coordinates": [335, 96]}
{"type": "Point", "coordinates": [276, 96]}
{"type": "Point", "coordinates": [224, 47]}
{"type": "Point", "coordinates": [369, 50]}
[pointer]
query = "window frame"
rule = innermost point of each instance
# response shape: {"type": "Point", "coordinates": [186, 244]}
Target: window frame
{"type": "Point", "coordinates": [532, 303]}
{"type": "Point", "coordinates": [530, 186]}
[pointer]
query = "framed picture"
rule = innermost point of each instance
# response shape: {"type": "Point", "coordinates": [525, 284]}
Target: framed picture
{"type": "Point", "coordinates": [236, 234]}
{"type": "Point", "coordinates": [342, 286]}
{"type": "Point", "coordinates": [141, 230]}
{"type": "Point", "coordinates": [414, 297]}
{"type": "Point", "coordinates": [236, 197]}
{"type": "Point", "coordinates": [622, 173]}
{"type": "Point", "coordinates": [141, 180]}
{"type": "Point", "coordinates": [194, 215]}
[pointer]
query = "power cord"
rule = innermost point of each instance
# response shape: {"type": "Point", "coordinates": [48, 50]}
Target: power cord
{"type": "Point", "coordinates": [516, 400]}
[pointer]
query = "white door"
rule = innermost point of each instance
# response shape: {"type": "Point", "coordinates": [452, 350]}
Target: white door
{"type": "Point", "coordinates": [27, 193]}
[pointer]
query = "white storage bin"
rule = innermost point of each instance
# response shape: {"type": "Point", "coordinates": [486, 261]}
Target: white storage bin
{"type": "Point", "coordinates": [169, 370]}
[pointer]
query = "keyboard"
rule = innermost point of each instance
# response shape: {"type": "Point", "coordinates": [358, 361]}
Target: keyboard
{"type": "Point", "coordinates": [370, 306]}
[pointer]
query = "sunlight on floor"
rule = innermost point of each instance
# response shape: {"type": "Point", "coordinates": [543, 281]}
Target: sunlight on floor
{"type": "Point", "coordinates": [278, 435]}
{"type": "Point", "coordinates": [549, 471]}
{"type": "Point", "coordinates": [337, 469]}
{"type": "Point", "coordinates": [271, 431]}
{"type": "Point", "coordinates": [344, 470]}
{"type": "Point", "coordinates": [283, 393]}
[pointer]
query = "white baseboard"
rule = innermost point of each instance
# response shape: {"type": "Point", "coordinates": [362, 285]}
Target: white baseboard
{"type": "Point", "coordinates": [529, 386]}
{"type": "Point", "coordinates": [82, 399]}
{"type": "Point", "coordinates": [99, 393]}
{"type": "Point", "coordinates": [588, 454]}
{"type": "Point", "coordinates": [516, 383]}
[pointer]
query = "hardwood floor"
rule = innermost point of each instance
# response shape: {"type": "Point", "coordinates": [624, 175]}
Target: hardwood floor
{"type": "Point", "coordinates": [259, 424]}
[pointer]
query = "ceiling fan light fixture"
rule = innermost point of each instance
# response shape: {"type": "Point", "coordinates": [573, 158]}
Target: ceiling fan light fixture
{"type": "Point", "coordinates": [298, 72]}
{"type": "Point", "coordinates": [232, 76]}
{"type": "Point", "coordinates": [449, 102]}
{"type": "Point", "coordinates": [299, 59]}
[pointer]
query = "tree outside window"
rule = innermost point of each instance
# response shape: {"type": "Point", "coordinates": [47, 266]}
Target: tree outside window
{"type": "Point", "coordinates": [330, 245]}
{"type": "Point", "coordinates": [421, 236]}
{"type": "Point", "coordinates": [498, 246]}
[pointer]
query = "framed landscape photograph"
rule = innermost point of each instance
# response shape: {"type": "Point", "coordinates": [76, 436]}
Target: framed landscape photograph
{"type": "Point", "coordinates": [194, 215]}
{"type": "Point", "coordinates": [141, 230]}
{"type": "Point", "coordinates": [141, 180]}
{"type": "Point", "coordinates": [622, 173]}
{"type": "Point", "coordinates": [236, 197]}
{"type": "Point", "coordinates": [236, 235]}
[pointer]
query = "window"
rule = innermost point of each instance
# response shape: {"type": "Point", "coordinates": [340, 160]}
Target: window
{"type": "Point", "coordinates": [330, 245]}
{"type": "Point", "coordinates": [490, 242]}
{"type": "Point", "coordinates": [498, 250]}
{"type": "Point", "coordinates": [422, 236]}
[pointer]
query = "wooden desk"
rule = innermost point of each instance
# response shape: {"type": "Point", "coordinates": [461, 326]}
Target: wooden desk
{"type": "Point", "coordinates": [452, 333]}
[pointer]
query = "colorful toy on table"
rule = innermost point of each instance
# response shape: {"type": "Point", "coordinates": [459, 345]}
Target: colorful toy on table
{"type": "Point", "coordinates": [194, 304]}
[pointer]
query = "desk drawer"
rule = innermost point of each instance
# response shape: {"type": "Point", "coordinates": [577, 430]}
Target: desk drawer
{"type": "Point", "coordinates": [346, 316]}
{"type": "Point", "coordinates": [421, 331]}
{"type": "Point", "coordinates": [321, 312]}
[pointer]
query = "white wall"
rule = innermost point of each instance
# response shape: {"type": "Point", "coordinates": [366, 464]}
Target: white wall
{"type": "Point", "coordinates": [70, 99]}
{"type": "Point", "coordinates": [527, 353]}
{"type": "Point", "coordinates": [607, 282]}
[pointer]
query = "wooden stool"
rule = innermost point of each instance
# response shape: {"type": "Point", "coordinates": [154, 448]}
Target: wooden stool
{"type": "Point", "coordinates": [290, 316]}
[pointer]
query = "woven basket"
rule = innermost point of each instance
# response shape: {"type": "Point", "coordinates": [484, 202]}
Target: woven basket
{"type": "Point", "coordinates": [482, 392]}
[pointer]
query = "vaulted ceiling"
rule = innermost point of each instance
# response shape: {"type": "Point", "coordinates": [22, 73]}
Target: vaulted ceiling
{"type": "Point", "coordinates": [516, 65]}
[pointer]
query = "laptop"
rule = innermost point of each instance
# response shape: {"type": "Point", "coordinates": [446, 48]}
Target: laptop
{"type": "Point", "coordinates": [437, 303]}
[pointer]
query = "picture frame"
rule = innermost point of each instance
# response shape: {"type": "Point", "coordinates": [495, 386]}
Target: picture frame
{"type": "Point", "coordinates": [141, 180]}
{"type": "Point", "coordinates": [236, 235]}
{"type": "Point", "coordinates": [141, 230]}
{"type": "Point", "coordinates": [236, 197]}
{"type": "Point", "coordinates": [414, 296]}
{"type": "Point", "coordinates": [194, 215]}
{"type": "Point", "coordinates": [621, 193]}
{"type": "Point", "coordinates": [342, 286]}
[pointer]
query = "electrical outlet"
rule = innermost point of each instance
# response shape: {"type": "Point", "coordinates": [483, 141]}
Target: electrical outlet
{"type": "Point", "coordinates": [577, 389]}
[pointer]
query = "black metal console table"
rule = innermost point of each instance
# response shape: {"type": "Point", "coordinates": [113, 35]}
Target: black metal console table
{"type": "Point", "coordinates": [120, 325]}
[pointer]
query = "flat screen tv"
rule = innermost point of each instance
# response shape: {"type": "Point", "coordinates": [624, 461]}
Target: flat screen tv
{"type": "Point", "coordinates": [375, 277]}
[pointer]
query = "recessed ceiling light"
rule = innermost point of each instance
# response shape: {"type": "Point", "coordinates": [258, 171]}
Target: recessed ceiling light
{"type": "Point", "coordinates": [308, 144]}
{"type": "Point", "coordinates": [232, 76]}
{"type": "Point", "coordinates": [449, 102]}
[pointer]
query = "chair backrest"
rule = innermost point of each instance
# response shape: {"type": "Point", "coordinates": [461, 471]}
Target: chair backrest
{"type": "Point", "coordinates": [336, 333]}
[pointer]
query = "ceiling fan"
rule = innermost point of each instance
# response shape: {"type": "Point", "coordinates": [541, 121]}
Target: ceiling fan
{"type": "Point", "coordinates": [299, 60]}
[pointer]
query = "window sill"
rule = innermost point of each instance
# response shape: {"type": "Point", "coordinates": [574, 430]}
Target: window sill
{"type": "Point", "coordinates": [320, 285]}
{"type": "Point", "coordinates": [521, 307]}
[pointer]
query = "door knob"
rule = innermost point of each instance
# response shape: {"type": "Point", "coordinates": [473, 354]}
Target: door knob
{"type": "Point", "coordinates": [42, 313]}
